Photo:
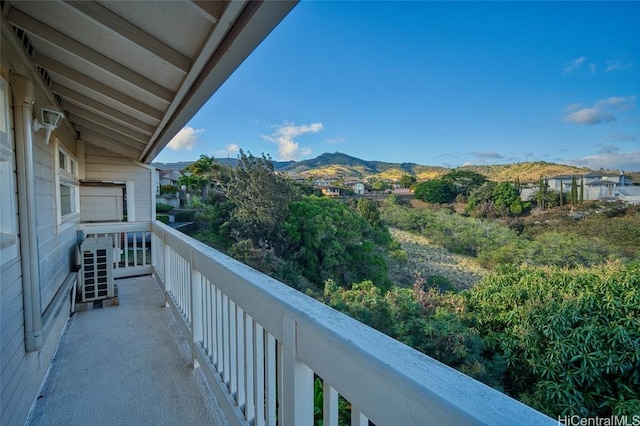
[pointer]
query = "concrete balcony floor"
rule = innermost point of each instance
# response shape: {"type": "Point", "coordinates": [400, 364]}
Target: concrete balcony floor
{"type": "Point", "coordinates": [125, 365]}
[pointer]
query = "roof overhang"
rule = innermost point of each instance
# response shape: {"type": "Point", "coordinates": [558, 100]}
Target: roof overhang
{"type": "Point", "coordinates": [130, 74]}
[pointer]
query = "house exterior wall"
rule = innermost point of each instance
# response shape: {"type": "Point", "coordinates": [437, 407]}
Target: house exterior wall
{"type": "Point", "coordinates": [56, 239]}
{"type": "Point", "coordinates": [104, 165]}
{"type": "Point", "coordinates": [22, 371]}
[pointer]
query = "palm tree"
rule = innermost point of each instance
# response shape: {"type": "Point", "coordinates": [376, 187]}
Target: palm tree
{"type": "Point", "coordinates": [208, 169]}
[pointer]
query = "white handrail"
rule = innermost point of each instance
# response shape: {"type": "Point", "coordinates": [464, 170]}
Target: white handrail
{"type": "Point", "coordinates": [260, 343]}
{"type": "Point", "coordinates": [131, 245]}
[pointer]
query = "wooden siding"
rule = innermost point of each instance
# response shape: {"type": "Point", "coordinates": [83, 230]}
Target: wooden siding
{"type": "Point", "coordinates": [21, 372]}
{"type": "Point", "coordinates": [56, 243]}
{"type": "Point", "coordinates": [104, 165]}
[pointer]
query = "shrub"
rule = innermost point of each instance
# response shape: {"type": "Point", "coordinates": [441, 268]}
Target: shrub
{"type": "Point", "coordinates": [163, 208]}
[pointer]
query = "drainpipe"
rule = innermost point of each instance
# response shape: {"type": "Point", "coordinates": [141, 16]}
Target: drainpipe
{"type": "Point", "coordinates": [22, 89]}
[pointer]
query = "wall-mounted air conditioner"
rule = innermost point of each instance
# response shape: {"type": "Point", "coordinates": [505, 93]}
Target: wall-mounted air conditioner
{"type": "Point", "coordinates": [97, 269]}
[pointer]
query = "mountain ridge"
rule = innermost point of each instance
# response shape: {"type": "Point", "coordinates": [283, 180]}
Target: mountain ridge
{"type": "Point", "coordinates": [340, 165]}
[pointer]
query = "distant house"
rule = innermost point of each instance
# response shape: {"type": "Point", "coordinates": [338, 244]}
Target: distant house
{"type": "Point", "coordinates": [168, 177]}
{"type": "Point", "coordinates": [359, 188]}
{"type": "Point", "coordinates": [331, 191]}
{"type": "Point", "coordinates": [597, 186]}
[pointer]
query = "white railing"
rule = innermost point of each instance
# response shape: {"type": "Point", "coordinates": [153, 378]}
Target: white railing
{"type": "Point", "coordinates": [131, 244]}
{"type": "Point", "coordinates": [261, 344]}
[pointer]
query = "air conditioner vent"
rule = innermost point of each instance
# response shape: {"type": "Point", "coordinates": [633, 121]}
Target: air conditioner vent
{"type": "Point", "coordinates": [97, 269]}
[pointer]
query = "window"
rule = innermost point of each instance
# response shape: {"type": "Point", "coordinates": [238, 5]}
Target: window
{"type": "Point", "coordinates": [8, 195]}
{"type": "Point", "coordinates": [68, 192]}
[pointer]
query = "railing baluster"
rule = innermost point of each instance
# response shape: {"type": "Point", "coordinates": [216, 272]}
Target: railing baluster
{"type": "Point", "coordinates": [208, 307]}
{"type": "Point", "coordinates": [249, 369]}
{"type": "Point", "coordinates": [259, 379]}
{"type": "Point", "coordinates": [262, 354]}
{"type": "Point", "coordinates": [219, 333]}
{"type": "Point", "coordinates": [296, 384]}
{"type": "Point", "coordinates": [270, 378]}
{"type": "Point", "coordinates": [134, 247]}
{"type": "Point", "coordinates": [357, 418]}
{"type": "Point", "coordinates": [124, 247]}
{"type": "Point", "coordinates": [225, 340]}
{"type": "Point", "coordinates": [197, 331]}
{"type": "Point", "coordinates": [233, 351]}
{"type": "Point", "coordinates": [329, 405]}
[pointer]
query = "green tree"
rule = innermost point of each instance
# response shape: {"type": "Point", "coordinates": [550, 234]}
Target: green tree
{"type": "Point", "coordinates": [506, 200]}
{"type": "Point", "coordinates": [480, 201]}
{"type": "Point", "coordinates": [571, 338]}
{"type": "Point", "coordinates": [261, 198]}
{"type": "Point", "coordinates": [192, 182]}
{"type": "Point", "coordinates": [574, 191]}
{"type": "Point", "coordinates": [380, 185]}
{"type": "Point", "coordinates": [368, 208]}
{"type": "Point", "coordinates": [436, 191]}
{"type": "Point", "coordinates": [406, 181]}
{"type": "Point", "coordinates": [464, 181]}
{"type": "Point", "coordinates": [330, 241]}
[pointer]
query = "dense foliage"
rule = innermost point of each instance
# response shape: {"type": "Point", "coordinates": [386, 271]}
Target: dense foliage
{"type": "Point", "coordinates": [555, 322]}
{"type": "Point", "coordinates": [434, 191]}
{"type": "Point", "coordinates": [571, 339]}
{"type": "Point", "coordinates": [327, 240]}
{"type": "Point", "coordinates": [496, 200]}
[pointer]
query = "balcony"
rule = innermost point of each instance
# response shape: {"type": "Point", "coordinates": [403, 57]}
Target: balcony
{"type": "Point", "coordinates": [258, 344]}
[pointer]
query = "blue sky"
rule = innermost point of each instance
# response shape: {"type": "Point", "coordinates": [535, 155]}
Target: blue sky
{"type": "Point", "coordinates": [434, 83]}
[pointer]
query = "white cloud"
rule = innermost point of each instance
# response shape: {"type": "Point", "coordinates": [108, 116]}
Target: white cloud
{"type": "Point", "coordinates": [335, 141]}
{"type": "Point", "coordinates": [592, 68]}
{"type": "Point", "coordinates": [600, 112]}
{"type": "Point", "coordinates": [284, 136]}
{"type": "Point", "coordinates": [613, 160]}
{"type": "Point", "coordinates": [488, 155]}
{"type": "Point", "coordinates": [619, 102]}
{"type": "Point", "coordinates": [617, 65]}
{"type": "Point", "coordinates": [185, 139]}
{"type": "Point", "coordinates": [589, 116]}
{"type": "Point", "coordinates": [574, 64]}
{"type": "Point", "coordinates": [231, 150]}
{"type": "Point", "coordinates": [621, 137]}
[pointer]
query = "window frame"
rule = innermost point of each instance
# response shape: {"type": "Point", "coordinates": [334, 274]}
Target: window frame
{"type": "Point", "coordinates": [8, 188]}
{"type": "Point", "coordinates": [67, 177]}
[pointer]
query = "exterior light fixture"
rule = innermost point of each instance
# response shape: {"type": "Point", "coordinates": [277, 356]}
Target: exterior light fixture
{"type": "Point", "coordinates": [50, 120]}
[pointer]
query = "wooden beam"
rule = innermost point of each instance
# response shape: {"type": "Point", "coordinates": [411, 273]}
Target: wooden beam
{"type": "Point", "coordinates": [71, 96]}
{"type": "Point", "coordinates": [84, 53]}
{"type": "Point", "coordinates": [107, 131]}
{"type": "Point", "coordinates": [113, 147]}
{"type": "Point", "coordinates": [87, 114]}
{"type": "Point", "coordinates": [134, 34]}
{"type": "Point", "coordinates": [212, 10]}
{"type": "Point", "coordinates": [108, 142]}
{"type": "Point", "coordinates": [56, 67]}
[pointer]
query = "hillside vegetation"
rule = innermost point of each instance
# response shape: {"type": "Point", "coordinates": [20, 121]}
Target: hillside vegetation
{"type": "Point", "coordinates": [342, 166]}
{"type": "Point", "coordinates": [544, 308]}
{"type": "Point", "coordinates": [525, 172]}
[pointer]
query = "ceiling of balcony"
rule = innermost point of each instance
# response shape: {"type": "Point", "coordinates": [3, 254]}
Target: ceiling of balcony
{"type": "Point", "coordinates": [130, 74]}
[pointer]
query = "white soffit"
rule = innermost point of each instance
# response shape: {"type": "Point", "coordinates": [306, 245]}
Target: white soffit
{"type": "Point", "coordinates": [131, 74]}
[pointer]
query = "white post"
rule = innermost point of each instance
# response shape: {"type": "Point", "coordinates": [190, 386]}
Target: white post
{"type": "Point", "coordinates": [167, 268]}
{"type": "Point", "coordinates": [297, 386]}
{"type": "Point", "coordinates": [197, 334]}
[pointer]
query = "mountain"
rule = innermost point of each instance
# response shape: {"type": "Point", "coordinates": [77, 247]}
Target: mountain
{"type": "Point", "coordinates": [232, 162]}
{"type": "Point", "coordinates": [339, 165]}
{"type": "Point", "coordinates": [525, 172]}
